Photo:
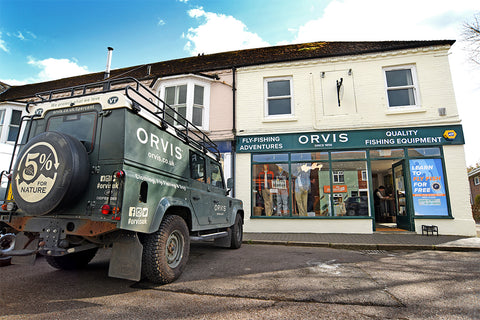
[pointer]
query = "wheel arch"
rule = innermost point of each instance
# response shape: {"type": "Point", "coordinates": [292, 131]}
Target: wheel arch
{"type": "Point", "coordinates": [171, 206]}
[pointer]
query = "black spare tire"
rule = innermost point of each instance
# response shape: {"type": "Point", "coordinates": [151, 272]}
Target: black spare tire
{"type": "Point", "coordinates": [51, 170]}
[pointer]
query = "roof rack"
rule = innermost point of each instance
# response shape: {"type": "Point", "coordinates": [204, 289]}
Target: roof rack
{"type": "Point", "coordinates": [143, 100]}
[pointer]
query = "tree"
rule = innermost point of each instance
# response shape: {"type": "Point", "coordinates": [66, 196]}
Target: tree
{"type": "Point", "coordinates": [471, 34]}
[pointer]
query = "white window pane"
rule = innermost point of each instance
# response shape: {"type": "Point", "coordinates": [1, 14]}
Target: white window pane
{"type": "Point", "coordinates": [12, 133]}
{"type": "Point", "coordinates": [198, 95]}
{"type": "Point", "coordinates": [279, 106]}
{"type": "Point", "coordinates": [2, 116]}
{"type": "Point", "coordinates": [170, 95]}
{"type": "Point", "coordinates": [16, 117]}
{"type": "Point", "coordinates": [402, 97]}
{"type": "Point", "coordinates": [197, 116]}
{"type": "Point", "coordinates": [183, 112]}
{"type": "Point", "coordinates": [397, 78]}
{"type": "Point", "coordinates": [279, 88]}
{"type": "Point", "coordinates": [182, 94]}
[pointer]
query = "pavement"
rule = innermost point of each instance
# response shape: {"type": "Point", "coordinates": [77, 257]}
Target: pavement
{"type": "Point", "coordinates": [388, 240]}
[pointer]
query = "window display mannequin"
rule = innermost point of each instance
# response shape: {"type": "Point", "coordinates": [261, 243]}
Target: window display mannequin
{"type": "Point", "coordinates": [265, 179]}
{"type": "Point", "coordinates": [302, 188]}
{"type": "Point", "coordinates": [281, 183]}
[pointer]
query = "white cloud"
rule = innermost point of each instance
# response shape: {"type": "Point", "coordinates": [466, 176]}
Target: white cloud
{"type": "Point", "coordinates": [14, 82]}
{"type": "Point", "coordinates": [3, 45]}
{"type": "Point", "coordinates": [161, 22]}
{"type": "Point", "coordinates": [52, 68]}
{"type": "Point", "coordinates": [20, 35]}
{"type": "Point", "coordinates": [219, 32]}
{"type": "Point", "coordinates": [384, 20]}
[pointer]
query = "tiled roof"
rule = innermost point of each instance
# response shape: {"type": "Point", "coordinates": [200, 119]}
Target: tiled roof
{"type": "Point", "coordinates": [225, 60]}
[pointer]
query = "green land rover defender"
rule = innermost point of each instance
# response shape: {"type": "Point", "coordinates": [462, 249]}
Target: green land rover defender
{"type": "Point", "coordinates": [111, 165]}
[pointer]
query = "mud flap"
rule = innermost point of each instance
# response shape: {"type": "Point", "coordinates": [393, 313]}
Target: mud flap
{"type": "Point", "coordinates": [126, 259]}
{"type": "Point", "coordinates": [22, 242]}
{"type": "Point", "coordinates": [224, 242]}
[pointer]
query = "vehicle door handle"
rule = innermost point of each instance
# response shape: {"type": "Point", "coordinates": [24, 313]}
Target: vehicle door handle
{"type": "Point", "coordinates": [195, 198]}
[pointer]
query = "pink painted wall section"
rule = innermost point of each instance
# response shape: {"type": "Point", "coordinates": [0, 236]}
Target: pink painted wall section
{"type": "Point", "coordinates": [221, 107]}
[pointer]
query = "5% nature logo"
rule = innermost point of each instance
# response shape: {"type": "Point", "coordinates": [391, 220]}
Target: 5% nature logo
{"type": "Point", "coordinates": [38, 169]}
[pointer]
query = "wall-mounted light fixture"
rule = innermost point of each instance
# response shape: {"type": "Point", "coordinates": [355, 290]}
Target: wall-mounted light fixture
{"type": "Point", "coordinates": [339, 90]}
{"type": "Point", "coordinates": [349, 72]}
{"type": "Point", "coordinates": [322, 74]}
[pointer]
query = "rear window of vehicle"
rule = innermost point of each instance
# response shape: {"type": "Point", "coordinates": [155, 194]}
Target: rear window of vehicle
{"type": "Point", "coordinates": [79, 125]}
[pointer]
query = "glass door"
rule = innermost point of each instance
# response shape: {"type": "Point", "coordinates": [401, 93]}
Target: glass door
{"type": "Point", "coordinates": [403, 214]}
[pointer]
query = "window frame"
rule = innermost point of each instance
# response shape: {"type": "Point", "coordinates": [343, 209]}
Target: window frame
{"type": "Point", "coordinates": [266, 81]}
{"type": "Point", "coordinates": [190, 81]}
{"type": "Point", "coordinates": [476, 180]}
{"type": "Point", "coordinates": [6, 124]}
{"type": "Point", "coordinates": [338, 176]}
{"type": "Point", "coordinates": [414, 86]}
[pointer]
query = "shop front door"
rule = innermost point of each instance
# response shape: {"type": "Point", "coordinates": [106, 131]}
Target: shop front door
{"type": "Point", "coordinates": [404, 215]}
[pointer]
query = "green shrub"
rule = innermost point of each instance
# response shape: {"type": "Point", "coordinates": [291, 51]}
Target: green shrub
{"type": "Point", "coordinates": [476, 211]}
{"type": "Point", "coordinates": [477, 199]}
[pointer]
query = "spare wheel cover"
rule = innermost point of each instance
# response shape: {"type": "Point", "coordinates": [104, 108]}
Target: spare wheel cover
{"type": "Point", "coordinates": [51, 168]}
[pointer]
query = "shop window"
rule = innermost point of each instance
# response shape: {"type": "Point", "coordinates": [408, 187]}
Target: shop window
{"type": "Point", "coordinates": [274, 157]}
{"type": "Point", "coordinates": [278, 97]}
{"type": "Point", "coordinates": [309, 156]}
{"type": "Point", "coordinates": [424, 152]}
{"type": "Point", "coordinates": [271, 189]}
{"type": "Point", "coordinates": [350, 198]}
{"type": "Point", "coordinates": [307, 179]}
{"type": "Point", "coordinates": [401, 86]}
{"type": "Point", "coordinates": [348, 155]}
{"type": "Point", "coordinates": [309, 188]}
{"type": "Point", "coordinates": [387, 153]}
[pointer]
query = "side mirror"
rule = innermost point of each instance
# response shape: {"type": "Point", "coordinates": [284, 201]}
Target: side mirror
{"type": "Point", "coordinates": [229, 186]}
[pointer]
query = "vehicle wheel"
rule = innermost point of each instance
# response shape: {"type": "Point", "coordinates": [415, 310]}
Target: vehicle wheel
{"type": "Point", "coordinates": [237, 233]}
{"type": "Point", "coordinates": [165, 252]}
{"type": "Point", "coordinates": [72, 261]}
{"type": "Point", "coordinates": [52, 169]}
{"type": "Point", "coordinates": [7, 243]}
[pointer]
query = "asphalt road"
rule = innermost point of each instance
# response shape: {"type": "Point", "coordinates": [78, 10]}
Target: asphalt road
{"type": "Point", "coordinates": [257, 282]}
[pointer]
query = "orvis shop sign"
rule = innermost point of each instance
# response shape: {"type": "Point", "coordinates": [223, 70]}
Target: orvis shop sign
{"type": "Point", "coordinates": [358, 139]}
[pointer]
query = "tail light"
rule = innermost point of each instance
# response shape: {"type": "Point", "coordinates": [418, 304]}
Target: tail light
{"type": "Point", "coordinates": [106, 209]}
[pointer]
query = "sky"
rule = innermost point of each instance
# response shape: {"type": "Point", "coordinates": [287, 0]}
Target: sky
{"type": "Point", "coordinates": [42, 40]}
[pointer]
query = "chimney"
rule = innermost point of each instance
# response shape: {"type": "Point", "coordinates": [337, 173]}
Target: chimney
{"type": "Point", "coordinates": [109, 62]}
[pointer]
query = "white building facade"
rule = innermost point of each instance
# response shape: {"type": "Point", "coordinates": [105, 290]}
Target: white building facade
{"type": "Point", "coordinates": [351, 144]}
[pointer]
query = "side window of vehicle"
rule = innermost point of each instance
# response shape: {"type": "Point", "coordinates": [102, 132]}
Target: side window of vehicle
{"type": "Point", "coordinates": [216, 178]}
{"type": "Point", "coordinates": [197, 167]}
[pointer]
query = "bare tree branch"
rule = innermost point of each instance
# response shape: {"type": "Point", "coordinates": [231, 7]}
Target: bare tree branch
{"type": "Point", "coordinates": [471, 34]}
